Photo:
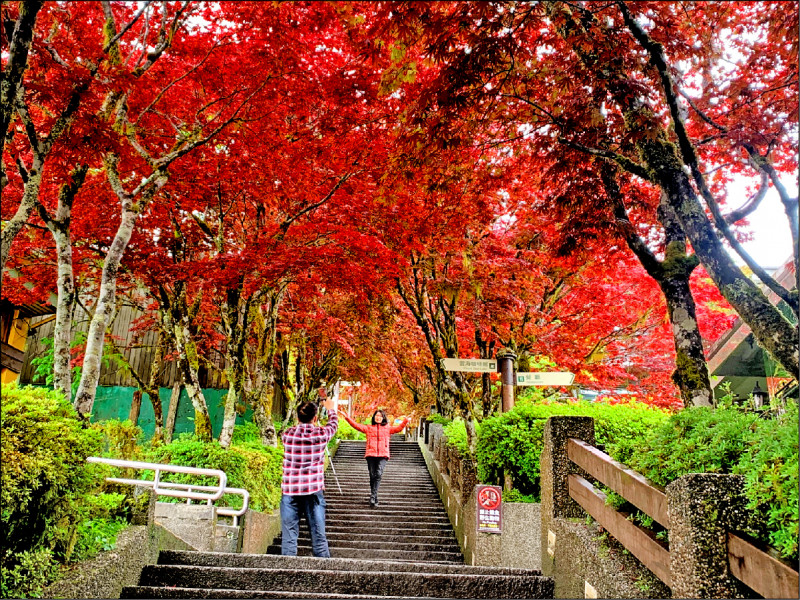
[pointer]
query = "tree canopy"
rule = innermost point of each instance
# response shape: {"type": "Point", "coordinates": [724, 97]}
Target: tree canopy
{"type": "Point", "coordinates": [356, 190]}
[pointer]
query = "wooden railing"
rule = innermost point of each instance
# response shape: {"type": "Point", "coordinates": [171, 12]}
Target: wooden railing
{"type": "Point", "coordinates": [754, 567]}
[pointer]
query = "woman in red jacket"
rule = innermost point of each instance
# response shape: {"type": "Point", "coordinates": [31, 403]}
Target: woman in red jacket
{"type": "Point", "coordinates": [377, 452]}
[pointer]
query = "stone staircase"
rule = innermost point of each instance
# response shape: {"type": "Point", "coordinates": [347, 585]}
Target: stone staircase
{"type": "Point", "coordinates": [403, 548]}
{"type": "Point", "coordinates": [409, 522]}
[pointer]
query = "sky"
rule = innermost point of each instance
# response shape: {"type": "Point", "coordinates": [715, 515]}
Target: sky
{"type": "Point", "coordinates": [772, 242]}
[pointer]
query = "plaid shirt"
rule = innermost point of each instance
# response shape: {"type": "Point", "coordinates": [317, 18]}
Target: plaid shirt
{"type": "Point", "coordinates": [304, 457]}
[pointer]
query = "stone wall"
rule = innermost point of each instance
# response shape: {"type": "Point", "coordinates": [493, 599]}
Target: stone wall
{"type": "Point", "coordinates": [105, 575]}
{"type": "Point", "coordinates": [517, 546]}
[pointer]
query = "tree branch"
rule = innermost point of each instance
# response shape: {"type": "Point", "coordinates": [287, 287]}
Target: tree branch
{"type": "Point", "coordinates": [627, 164]}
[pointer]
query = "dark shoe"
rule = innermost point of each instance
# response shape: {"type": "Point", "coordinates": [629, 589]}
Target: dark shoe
{"type": "Point", "coordinates": [372, 504]}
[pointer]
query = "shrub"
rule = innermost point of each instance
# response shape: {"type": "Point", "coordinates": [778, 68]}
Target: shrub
{"type": "Point", "coordinates": [45, 476]}
{"type": "Point", "coordinates": [439, 419]}
{"type": "Point", "coordinates": [262, 474]}
{"type": "Point", "coordinates": [31, 571]}
{"type": "Point", "coordinates": [248, 465]}
{"type": "Point", "coordinates": [770, 467]}
{"type": "Point", "coordinates": [346, 432]}
{"type": "Point", "coordinates": [46, 484]}
{"type": "Point", "coordinates": [512, 442]}
{"type": "Point", "coordinates": [727, 440]}
{"type": "Point", "coordinates": [456, 433]}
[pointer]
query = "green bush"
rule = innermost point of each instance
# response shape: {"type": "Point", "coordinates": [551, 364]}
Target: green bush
{"type": "Point", "coordinates": [346, 432]}
{"type": "Point", "coordinates": [456, 433]}
{"type": "Point", "coordinates": [248, 465]}
{"type": "Point", "coordinates": [512, 442]}
{"type": "Point", "coordinates": [727, 440]}
{"type": "Point", "coordinates": [30, 572]}
{"type": "Point", "coordinates": [439, 419]}
{"type": "Point", "coordinates": [770, 467]}
{"type": "Point", "coordinates": [262, 474]}
{"type": "Point", "coordinates": [46, 482]}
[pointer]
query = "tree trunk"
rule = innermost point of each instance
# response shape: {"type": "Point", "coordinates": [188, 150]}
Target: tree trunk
{"type": "Point", "coordinates": [187, 351]}
{"type": "Point", "coordinates": [262, 417]}
{"type": "Point", "coordinates": [172, 413]}
{"type": "Point", "coordinates": [62, 332]}
{"type": "Point", "coordinates": [19, 43]}
{"type": "Point", "coordinates": [104, 312]}
{"type": "Point", "coordinates": [662, 157]}
{"type": "Point", "coordinates": [772, 330]}
{"type": "Point", "coordinates": [229, 418]}
{"type": "Point", "coordinates": [13, 226]}
{"type": "Point", "coordinates": [152, 392]}
{"type": "Point", "coordinates": [60, 228]}
{"type": "Point", "coordinates": [136, 407]}
{"type": "Point", "coordinates": [235, 321]}
{"type": "Point", "coordinates": [672, 275]}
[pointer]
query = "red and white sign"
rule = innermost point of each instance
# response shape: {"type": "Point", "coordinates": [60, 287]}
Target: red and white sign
{"type": "Point", "coordinates": [489, 509]}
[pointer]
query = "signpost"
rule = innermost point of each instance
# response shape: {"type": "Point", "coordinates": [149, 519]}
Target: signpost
{"type": "Point", "coordinates": [489, 507]}
{"type": "Point", "coordinates": [564, 378]}
{"type": "Point", "coordinates": [469, 365]}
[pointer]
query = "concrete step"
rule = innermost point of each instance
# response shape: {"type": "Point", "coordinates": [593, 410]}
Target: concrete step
{"type": "Point", "coordinates": [363, 583]}
{"type": "Point", "coordinates": [385, 509]}
{"type": "Point", "coordinates": [408, 537]}
{"type": "Point", "coordinates": [357, 529]}
{"type": "Point", "coordinates": [444, 545]}
{"type": "Point", "coordinates": [176, 592]}
{"type": "Point", "coordinates": [299, 563]}
{"type": "Point", "coordinates": [394, 554]}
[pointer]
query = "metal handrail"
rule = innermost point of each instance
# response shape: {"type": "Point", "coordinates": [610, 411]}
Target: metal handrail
{"type": "Point", "coordinates": [159, 486]}
{"type": "Point", "coordinates": [221, 510]}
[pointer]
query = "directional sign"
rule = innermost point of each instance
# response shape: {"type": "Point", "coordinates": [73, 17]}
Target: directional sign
{"type": "Point", "coordinates": [545, 378]}
{"type": "Point", "coordinates": [469, 365]}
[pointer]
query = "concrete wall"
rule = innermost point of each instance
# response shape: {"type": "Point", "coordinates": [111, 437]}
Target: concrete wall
{"type": "Point", "coordinates": [259, 531]}
{"type": "Point", "coordinates": [517, 546]}
{"type": "Point", "coordinates": [105, 575]}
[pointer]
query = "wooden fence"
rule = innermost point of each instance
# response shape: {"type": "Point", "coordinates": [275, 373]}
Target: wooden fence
{"type": "Point", "coordinates": [139, 350]}
{"type": "Point", "coordinates": [751, 565]}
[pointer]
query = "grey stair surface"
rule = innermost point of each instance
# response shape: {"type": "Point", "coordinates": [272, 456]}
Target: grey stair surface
{"type": "Point", "coordinates": [409, 523]}
{"type": "Point", "coordinates": [403, 548]}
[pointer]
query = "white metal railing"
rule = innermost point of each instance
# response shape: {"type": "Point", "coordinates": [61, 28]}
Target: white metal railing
{"type": "Point", "coordinates": [209, 493]}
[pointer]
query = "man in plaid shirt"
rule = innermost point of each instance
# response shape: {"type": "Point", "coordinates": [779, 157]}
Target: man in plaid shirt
{"type": "Point", "coordinates": [304, 479]}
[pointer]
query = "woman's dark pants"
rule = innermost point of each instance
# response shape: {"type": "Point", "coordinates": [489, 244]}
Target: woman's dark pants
{"type": "Point", "coordinates": [375, 466]}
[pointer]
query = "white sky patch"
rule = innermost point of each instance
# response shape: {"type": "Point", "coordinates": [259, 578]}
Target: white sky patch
{"type": "Point", "coordinates": [772, 240]}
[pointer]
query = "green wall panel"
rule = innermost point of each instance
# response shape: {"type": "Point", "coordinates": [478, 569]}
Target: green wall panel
{"type": "Point", "coordinates": [115, 403]}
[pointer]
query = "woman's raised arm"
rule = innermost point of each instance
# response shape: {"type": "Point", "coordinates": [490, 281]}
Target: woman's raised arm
{"type": "Point", "coordinates": [354, 424]}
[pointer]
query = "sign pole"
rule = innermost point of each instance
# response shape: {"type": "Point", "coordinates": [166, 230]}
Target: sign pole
{"type": "Point", "coordinates": [506, 363]}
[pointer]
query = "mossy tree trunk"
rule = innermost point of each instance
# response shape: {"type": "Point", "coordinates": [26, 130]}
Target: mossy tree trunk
{"type": "Point", "coordinates": [672, 275]}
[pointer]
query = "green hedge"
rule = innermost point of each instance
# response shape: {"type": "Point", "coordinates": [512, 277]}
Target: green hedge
{"type": "Point", "coordinates": [704, 440]}
{"type": "Point", "coordinates": [46, 485]}
{"type": "Point", "coordinates": [512, 442]}
{"type": "Point", "coordinates": [247, 463]}
{"type": "Point", "coordinates": [346, 432]}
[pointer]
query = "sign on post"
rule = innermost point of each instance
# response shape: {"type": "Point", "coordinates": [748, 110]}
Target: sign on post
{"type": "Point", "coordinates": [469, 365]}
{"type": "Point", "coordinates": [489, 501]}
{"type": "Point", "coordinates": [564, 378]}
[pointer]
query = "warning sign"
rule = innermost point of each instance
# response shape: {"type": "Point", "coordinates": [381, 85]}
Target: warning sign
{"type": "Point", "coordinates": [489, 508]}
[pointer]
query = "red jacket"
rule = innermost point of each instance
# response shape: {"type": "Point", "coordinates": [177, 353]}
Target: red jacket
{"type": "Point", "coordinates": [377, 436]}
